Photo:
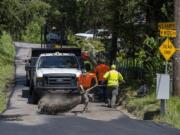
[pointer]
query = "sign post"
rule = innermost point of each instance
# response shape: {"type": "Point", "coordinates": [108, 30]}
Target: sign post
{"type": "Point", "coordinates": [167, 49]}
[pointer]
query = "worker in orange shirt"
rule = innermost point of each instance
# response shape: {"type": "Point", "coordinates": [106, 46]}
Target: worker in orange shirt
{"type": "Point", "coordinates": [100, 70]}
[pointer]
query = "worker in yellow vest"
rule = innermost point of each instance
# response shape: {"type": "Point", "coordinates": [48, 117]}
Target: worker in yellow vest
{"type": "Point", "coordinates": [113, 77]}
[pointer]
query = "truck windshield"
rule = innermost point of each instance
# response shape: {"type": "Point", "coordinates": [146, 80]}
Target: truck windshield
{"type": "Point", "coordinates": [58, 62]}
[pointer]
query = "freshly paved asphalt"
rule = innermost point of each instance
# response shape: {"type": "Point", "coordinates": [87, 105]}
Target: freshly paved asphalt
{"type": "Point", "coordinates": [22, 119]}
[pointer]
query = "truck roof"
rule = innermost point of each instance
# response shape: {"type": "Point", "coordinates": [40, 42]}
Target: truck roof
{"type": "Point", "coordinates": [57, 54]}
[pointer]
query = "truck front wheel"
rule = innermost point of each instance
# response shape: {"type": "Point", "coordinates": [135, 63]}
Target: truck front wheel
{"type": "Point", "coordinates": [33, 98]}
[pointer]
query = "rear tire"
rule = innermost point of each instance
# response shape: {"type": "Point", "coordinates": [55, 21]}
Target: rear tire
{"type": "Point", "coordinates": [33, 99]}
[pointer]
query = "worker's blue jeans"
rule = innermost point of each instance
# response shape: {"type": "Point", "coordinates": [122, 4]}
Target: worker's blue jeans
{"type": "Point", "coordinates": [112, 92]}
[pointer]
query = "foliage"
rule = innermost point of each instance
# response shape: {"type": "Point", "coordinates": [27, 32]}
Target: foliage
{"type": "Point", "coordinates": [15, 14]}
{"type": "Point", "coordinates": [7, 53]}
{"type": "Point", "coordinates": [33, 32]}
{"type": "Point", "coordinates": [80, 15]}
{"type": "Point", "coordinates": [85, 44]}
{"type": "Point", "coordinates": [6, 49]}
{"type": "Point", "coordinates": [148, 55]}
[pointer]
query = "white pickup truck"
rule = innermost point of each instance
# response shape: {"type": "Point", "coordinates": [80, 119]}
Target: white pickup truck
{"type": "Point", "coordinates": [56, 70]}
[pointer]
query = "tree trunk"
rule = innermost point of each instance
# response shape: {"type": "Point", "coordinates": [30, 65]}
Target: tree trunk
{"type": "Point", "coordinates": [176, 65]}
{"type": "Point", "coordinates": [115, 30]}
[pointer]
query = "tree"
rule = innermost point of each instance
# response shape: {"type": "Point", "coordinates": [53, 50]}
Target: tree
{"type": "Point", "coordinates": [177, 55]}
{"type": "Point", "coordinates": [115, 29]}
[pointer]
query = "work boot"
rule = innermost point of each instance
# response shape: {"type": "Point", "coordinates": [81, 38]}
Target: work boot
{"type": "Point", "coordinates": [109, 103]}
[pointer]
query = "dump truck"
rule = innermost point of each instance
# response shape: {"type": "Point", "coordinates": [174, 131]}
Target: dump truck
{"type": "Point", "coordinates": [56, 70]}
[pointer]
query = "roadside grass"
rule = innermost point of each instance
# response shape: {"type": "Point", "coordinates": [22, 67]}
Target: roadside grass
{"type": "Point", "coordinates": [7, 53]}
{"type": "Point", "coordinates": [173, 112]}
{"type": "Point", "coordinates": [148, 108]}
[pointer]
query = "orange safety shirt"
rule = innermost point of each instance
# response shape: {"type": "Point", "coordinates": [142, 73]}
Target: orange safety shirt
{"type": "Point", "coordinates": [86, 80]}
{"type": "Point", "coordinates": [100, 70]}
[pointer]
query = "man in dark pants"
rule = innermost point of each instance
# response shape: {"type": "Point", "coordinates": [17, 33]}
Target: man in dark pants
{"type": "Point", "coordinates": [113, 78]}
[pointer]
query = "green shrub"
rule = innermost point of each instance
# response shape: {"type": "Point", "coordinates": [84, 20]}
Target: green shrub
{"type": "Point", "coordinates": [7, 53]}
{"type": "Point", "coordinates": [33, 32]}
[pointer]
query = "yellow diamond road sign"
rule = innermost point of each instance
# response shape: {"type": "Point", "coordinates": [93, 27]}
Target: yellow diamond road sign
{"type": "Point", "coordinates": [167, 49]}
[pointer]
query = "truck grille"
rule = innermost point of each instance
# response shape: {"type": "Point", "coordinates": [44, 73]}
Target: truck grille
{"type": "Point", "coordinates": [60, 80]}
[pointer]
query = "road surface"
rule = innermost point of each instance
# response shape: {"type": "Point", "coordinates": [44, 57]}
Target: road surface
{"type": "Point", "coordinates": [23, 119]}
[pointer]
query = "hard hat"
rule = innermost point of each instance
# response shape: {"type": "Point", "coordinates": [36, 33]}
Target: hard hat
{"type": "Point", "coordinates": [113, 66]}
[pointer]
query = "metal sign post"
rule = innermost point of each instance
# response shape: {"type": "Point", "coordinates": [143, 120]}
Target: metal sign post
{"type": "Point", "coordinates": [163, 101]}
{"type": "Point", "coordinates": [163, 107]}
{"type": "Point", "coordinates": [167, 49]}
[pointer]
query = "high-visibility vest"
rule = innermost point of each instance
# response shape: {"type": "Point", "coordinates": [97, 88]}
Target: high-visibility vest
{"type": "Point", "coordinates": [113, 77]}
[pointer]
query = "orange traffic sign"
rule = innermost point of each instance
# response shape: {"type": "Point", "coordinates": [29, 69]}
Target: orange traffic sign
{"type": "Point", "coordinates": [167, 33]}
{"type": "Point", "coordinates": [167, 49]}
